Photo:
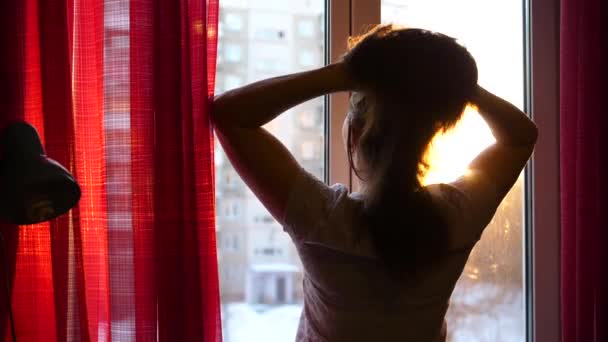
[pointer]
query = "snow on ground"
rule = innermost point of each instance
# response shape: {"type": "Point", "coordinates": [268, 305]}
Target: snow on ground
{"type": "Point", "coordinates": [481, 313]}
{"type": "Point", "coordinates": [259, 323]}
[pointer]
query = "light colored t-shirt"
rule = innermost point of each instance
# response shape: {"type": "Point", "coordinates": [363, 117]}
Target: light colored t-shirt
{"type": "Point", "coordinates": [348, 296]}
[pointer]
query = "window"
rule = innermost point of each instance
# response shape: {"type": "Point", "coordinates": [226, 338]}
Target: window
{"type": "Point", "coordinates": [230, 209]}
{"type": "Point", "coordinates": [233, 22]}
{"type": "Point", "coordinates": [267, 64]}
{"type": "Point", "coordinates": [265, 33]}
{"type": "Point", "coordinates": [262, 265]}
{"type": "Point", "coordinates": [264, 219]}
{"type": "Point", "coordinates": [270, 59]}
{"type": "Point", "coordinates": [488, 303]}
{"type": "Point", "coordinates": [269, 26]}
{"type": "Point", "coordinates": [233, 53]}
{"type": "Point", "coordinates": [229, 242]}
{"type": "Point", "coordinates": [307, 118]}
{"type": "Point", "coordinates": [235, 210]}
{"type": "Point", "coordinates": [269, 251]}
{"type": "Point", "coordinates": [306, 28]}
{"type": "Point", "coordinates": [306, 58]}
{"type": "Point", "coordinates": [232, 81]}
{"type": "Point", "coordinates": [308, 150]}
{"type": "Point", "coordinates": [227, 178]}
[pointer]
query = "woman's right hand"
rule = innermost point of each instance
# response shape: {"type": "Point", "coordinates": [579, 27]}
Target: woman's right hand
{"type": "Point", "coordinates": [340, 76]}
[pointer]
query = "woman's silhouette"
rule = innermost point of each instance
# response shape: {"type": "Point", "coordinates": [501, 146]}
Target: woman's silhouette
{"type": "Point", "coordinates": [380, 264]}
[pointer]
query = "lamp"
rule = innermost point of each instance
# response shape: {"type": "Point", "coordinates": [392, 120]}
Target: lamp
{"type": "Point", "coordinates": [33, 187]}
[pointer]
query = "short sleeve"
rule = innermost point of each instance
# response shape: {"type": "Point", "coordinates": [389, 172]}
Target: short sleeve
{"type": "Point", "coordinates": [468, 205]}
{"type": "Point", "coordinates": [482, 195]}
{"type": "Point", "coordinates": [309, 205]}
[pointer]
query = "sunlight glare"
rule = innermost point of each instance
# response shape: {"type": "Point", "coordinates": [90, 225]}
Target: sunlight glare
{"type": "Point", "coordinates": [451, 152]}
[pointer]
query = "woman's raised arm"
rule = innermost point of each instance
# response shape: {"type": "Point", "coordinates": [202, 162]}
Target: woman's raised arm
{"type": "Point", "coordinates": [261, 159]}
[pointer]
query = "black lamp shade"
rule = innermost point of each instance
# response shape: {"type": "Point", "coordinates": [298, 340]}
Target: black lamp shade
{"type": "Point", "coordinates": [33, 187]}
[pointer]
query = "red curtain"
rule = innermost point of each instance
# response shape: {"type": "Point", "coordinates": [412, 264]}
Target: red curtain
{"type": "Point", "coordinates": [584, 168]}
{"type": "Point", "coordinates": [119, 91]}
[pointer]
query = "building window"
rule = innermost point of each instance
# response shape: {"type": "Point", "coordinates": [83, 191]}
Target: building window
{"type": "Point", "coordinates": [268, 251]}
{"type": "Point", "coordinates": [233, 22]}
{"type": "Point", "coordinates": [232, 81]}
{"type": "Point", "coordinates": [231, 209]}
{"type": "Point", "coordinates": [306, 59]}
{"type": "Point", "coordinates": [269, 34]}
{"type": "Point", "coordinates": [269, 26]}
{"type": "Point", "coordinates": [309, 150]}
{"type": "Point", "coordinates": [233, 53]}
{"type": "Point", "coordinates": [235, 242]}
{"type": "Point", "coordinates": [266, 219]}
{"type": "Point", "coordinates": [307, 118]}
{"type": "Point", "coordinates": [230, 242]}
{"type": "Point", "coordinates": [228, 178]}
{"type": "Point", "coordinates": [306, 28]}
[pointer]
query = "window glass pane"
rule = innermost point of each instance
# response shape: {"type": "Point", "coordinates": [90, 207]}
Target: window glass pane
{"type": "Point", "coordinates": [232, 81]}
{"type": "Point", "coordinates": [233, 52]}
{"type": "Point", "coordinates": [260, 273]}
{"type": "Point", "coordinates": [269, 25]}
{"type": "Point", "coordinates": [307, 58]}
{"type": "Point", "coordinates": [488, 302]}
{"type": "Point", "coordinates": [234, 21]}
{"type": "Point", "coordinates": [306, 28]}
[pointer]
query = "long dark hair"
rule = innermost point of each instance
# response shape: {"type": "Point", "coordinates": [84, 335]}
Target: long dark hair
{"type": "Point", "coordinates": [413, 83]}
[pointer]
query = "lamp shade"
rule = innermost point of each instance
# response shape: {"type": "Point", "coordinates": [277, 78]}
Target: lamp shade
{"type": "Point", "coordinates": [33, 187]}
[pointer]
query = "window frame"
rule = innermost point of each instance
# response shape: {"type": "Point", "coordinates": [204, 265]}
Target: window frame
{"type": "Point", "coordinates": [341, 25]}
{"type": "Point", "coordinates": [542, 207]}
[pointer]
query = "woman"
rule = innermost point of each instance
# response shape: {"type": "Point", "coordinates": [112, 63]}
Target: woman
{"type": "Point", "coordinates": [380, 264]}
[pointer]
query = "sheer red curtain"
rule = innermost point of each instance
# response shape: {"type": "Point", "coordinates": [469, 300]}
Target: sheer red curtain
{"type": "Point", "coordinates": [119, 91]}
{"type": "Point", "coordinates": [584, 168]}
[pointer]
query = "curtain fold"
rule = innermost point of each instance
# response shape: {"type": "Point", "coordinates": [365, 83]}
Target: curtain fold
{"type": "Point", "coordinates": [584, 159]}
{"type": "Point", "coordinates": [56, 111]}
{"type": "Point", "coordinates": [120, 93]}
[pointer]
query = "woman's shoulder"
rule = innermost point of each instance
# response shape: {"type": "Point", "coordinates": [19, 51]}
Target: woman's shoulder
{"type": "Point", "coordinates": [448, 194]}
{"type": "Point", "coordinates": [310, 203]}
{"type": "Point", "coordinates": [456, 208]}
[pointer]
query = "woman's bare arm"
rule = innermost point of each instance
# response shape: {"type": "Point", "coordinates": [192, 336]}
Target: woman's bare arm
{"type": "Point", "coordinates": [494, 171]}
{"type": "Point", "coordinates": [256, 104]}
{"type": "Point", "coordinates": [510, 126]}
{"type": "Point", "coordinates": [261, 160]}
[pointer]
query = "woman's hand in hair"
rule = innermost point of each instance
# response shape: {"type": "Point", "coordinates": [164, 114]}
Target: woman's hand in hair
{"type": "Point", "coordinates": [509, 125]}
{"type": "Point", "coordinates": [494, 171]}
{"type": "Point", "coordinates": [340, 75]}
{"type": "Point", "coordinates": [240, 114]}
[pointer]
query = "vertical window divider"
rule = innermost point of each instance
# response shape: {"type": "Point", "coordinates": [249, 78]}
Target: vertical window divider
{"type": "Point", "coordinates": [543, 190]}
{"type": "Point", "coordinates": [338, 31]}
{"type": "Point", "coordinates": [362, 14]}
